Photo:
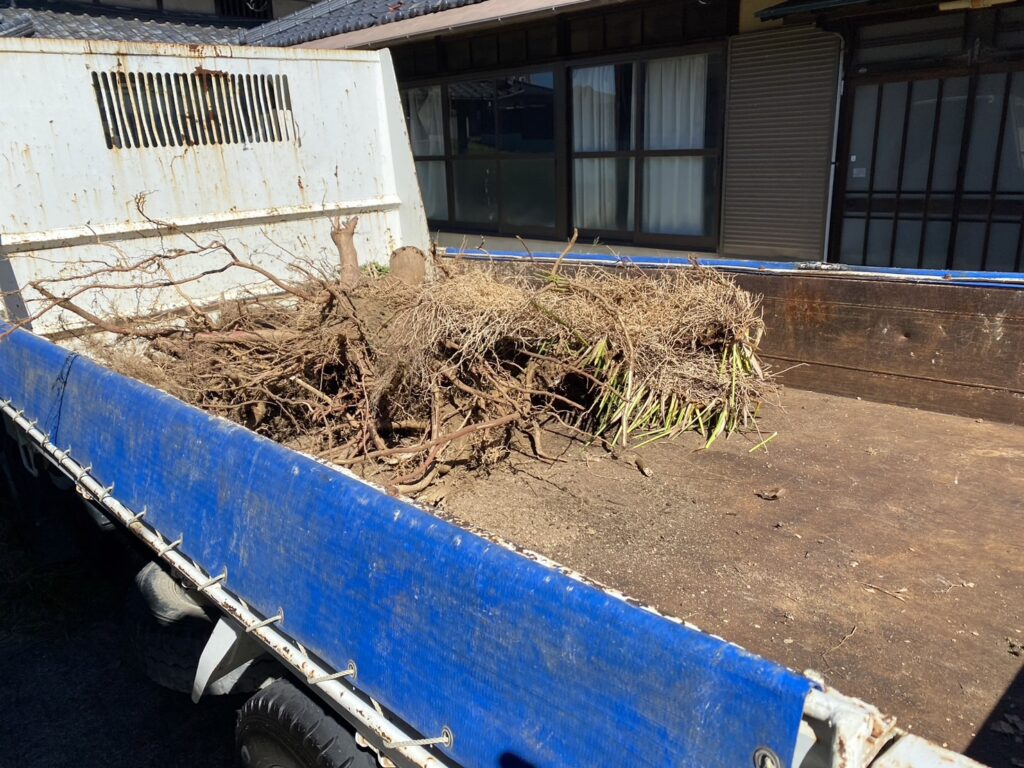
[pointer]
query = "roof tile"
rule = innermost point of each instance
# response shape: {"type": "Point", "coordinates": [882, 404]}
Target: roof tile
{"type": "Point", "coordinates": [67, 21]}
{"type": "Point", "coordinates": [334, 17]}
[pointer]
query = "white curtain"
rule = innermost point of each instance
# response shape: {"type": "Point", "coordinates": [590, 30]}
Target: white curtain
{"type": "Point", "coordinates": [676, 99]}
{"type": "Point", "coordinates": [433, 188]}
{"type": "Point", "coordinates": [425, 121]}
{"type": "Point", "coordinates": [593, 109]}
{"type": "Point", "coordinates": [599, 185]}
{"type": "Point", "coordinates": [598, 182]}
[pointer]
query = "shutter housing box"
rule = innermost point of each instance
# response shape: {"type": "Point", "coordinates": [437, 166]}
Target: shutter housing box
{"type": "Point", "coordinates": [780, 124]}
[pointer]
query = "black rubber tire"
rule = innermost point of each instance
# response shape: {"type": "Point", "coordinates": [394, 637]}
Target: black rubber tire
{"type": "Point", "coordinates": [166, 654]}
{"type": "Point", "coordinates": [168, 629]}
{"type": "Point", "coordinates": [282, 727]}
{"type": "Point", "coordinates": [167, 601]}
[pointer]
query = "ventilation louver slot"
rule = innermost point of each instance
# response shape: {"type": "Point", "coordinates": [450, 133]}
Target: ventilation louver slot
{"type": "Point", "coordinates": [161, 109]}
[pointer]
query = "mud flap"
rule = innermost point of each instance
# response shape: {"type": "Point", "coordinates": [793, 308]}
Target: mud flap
{"type": "Point", "coordinates": [227, 649]}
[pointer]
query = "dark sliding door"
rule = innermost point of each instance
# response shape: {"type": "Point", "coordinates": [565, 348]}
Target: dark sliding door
{"type": "Point", "coordinates": [933, 172]}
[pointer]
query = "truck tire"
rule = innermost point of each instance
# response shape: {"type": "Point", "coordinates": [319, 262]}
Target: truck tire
{"type": "Point", "coordinates": [282, 727]}
{"type": "Point", "coordinates": [167, 631]}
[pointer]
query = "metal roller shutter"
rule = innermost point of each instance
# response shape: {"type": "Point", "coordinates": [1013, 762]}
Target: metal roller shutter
{"type": "Point", "coordinates": [780, 121]}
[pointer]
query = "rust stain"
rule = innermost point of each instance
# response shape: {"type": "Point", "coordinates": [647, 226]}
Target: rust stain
{"type": "Point", "coordinates": [201, 71]}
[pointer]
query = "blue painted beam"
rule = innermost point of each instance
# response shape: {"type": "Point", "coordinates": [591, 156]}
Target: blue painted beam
{"type": "Point", "coordinates": [946, 277]}
{"type": "Point", "coordinates": [525, 664]}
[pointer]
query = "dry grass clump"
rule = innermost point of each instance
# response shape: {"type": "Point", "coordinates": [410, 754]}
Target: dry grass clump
{"type": "Point", "coordinates": [623, 356]}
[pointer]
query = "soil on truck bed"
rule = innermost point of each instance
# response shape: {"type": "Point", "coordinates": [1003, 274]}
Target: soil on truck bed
{"type": "Point", "coordinates": [882, 546]}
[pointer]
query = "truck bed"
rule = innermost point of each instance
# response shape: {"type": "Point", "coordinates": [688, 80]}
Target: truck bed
{"type": "Point", "coordinates": [451, 631]}
{"type": "Point", "coordinates": [702, 544]}
{"type": "Point", "coordinates": [892, 560]}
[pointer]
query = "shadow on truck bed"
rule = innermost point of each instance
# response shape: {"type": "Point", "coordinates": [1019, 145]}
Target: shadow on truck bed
{"type": "Point", "coordinates": [1000, 738]}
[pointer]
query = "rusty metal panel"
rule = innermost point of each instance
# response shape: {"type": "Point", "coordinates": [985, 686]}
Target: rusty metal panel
{"type": "Point", "coordinates": [115, 152]}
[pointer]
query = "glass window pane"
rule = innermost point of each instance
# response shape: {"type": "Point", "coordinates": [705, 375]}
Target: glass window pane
{"type": "Point", "coordinates": [851, 249]}
{"type": "Point", "coordinates": [528, 193]}
{"type": "Point", "coordinates": [676, 198]}
{"type": "Point", "coordinates": [472, 117]}
{"type": "Point", "coordinates": [879, 243]}
{"type": "Point", "coordinates": [526, 113]}
{"type": "Point", "coordinates": [602, 108]}
{"type": "Point", "coordinates": [603, 193]}
{"type": "Point", "coordinates": [908, 243]}
{"type": "Point", "coordinates": [970, 239]}
{"type": "Point", "coordinates": [476, 191]}
{"type": "Point", "coordinates": [936, 244]}
{"type": "Point", "coordinates": [862, 137]}
{"type": "Point", "coordinates": [676, 103]}
{"type": "Point", "coordinates": [425, 120]}
{"type": "Point", "coordinates": [1002, 247]}
{"type": "Point", "coordinates": [953, 110]}
{"type": "Point", "coordinates": [1011, 170]}
{"type": "Point", "coordinates": [930, 37]}
{"type": "Point", "coordinates": [433, 188]}
{"type": "Point", "coordinates": [890, 136]}
{"type": "Point", "coordinates": [920, 127]}
{"type": "Point", "coordinates": [930, 49]}
{"type": "Point", "coordinates": [981, 153]}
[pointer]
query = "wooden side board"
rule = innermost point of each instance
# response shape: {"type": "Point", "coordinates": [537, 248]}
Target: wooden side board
{"type": "Point", "coordinates": [947, 348]}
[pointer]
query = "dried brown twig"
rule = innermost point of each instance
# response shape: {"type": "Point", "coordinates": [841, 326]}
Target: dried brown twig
{"type": "Point", "coordinates": [405, 381]}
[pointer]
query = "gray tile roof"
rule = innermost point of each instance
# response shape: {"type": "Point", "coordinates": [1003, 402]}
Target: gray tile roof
{"type": "Point", "coordinates": [68, 21]}
{"type": "Point", "coordinates": [333, 17]}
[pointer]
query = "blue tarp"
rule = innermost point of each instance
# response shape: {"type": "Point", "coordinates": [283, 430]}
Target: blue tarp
{"type": "Point", "coordinates": [525, 664]}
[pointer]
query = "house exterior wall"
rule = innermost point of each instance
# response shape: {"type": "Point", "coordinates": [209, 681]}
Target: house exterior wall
{"type": "Point", "coordinates": [748, 21]}
{"type": "Point", "coordinates": [190, 6]}
{"type": "Point", "coordinates": [924, 95]}
{"type": "Point", "coordinates": [608, 121]}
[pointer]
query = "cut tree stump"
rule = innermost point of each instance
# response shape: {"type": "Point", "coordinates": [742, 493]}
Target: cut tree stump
{"type": "Point", "coordinates": [409, 265]}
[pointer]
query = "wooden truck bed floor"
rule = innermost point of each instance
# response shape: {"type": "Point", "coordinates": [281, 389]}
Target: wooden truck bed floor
{"type": "Point", "coordinates": [892, 560]}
